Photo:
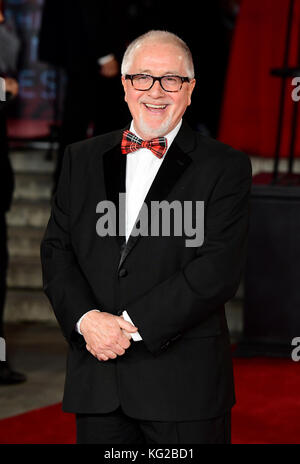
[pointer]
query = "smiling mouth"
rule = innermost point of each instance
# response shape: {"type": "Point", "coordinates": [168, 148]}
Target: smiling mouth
{"type": "Point", "coordinates": [155, 108]}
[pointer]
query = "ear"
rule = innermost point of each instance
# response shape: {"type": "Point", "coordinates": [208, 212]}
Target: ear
{"type": "Point", "coordinates": [124, 83]}
{"type": "Point", "coordinates": [191, 88]}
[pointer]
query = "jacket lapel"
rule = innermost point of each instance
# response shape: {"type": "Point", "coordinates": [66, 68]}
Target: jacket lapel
{"type": "Point", "coordinates": [114, 169]}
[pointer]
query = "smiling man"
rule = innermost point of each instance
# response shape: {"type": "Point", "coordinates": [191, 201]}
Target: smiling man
{"type": "Point", "coordinates": [149, 353]}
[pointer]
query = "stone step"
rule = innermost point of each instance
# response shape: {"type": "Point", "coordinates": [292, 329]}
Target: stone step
{"type": "Point", "coordinates": [260, 164]}
{"type": "Point", "coordinates": [29, 213]}
{"type": "Point", "coordinates": [24, 241]}
{"type": "Point", "coordinates": [27, 305]}
{"type": "Point", "coordinates": [31, 161]}
{"type": "Point", "coordinates": [32, 186]}
{"type": "Point", "coordinates": [24, 248]}
{"type": "Point", "coordinates": [24, 272]}
{"type": "Point", "coordinates": [33, 305]}
{"type": "Point", "coordinates": [35, 161]}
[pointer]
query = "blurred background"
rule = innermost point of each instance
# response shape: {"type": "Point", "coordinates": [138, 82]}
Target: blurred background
{"type": "Point", "coordinates": [61, 64]}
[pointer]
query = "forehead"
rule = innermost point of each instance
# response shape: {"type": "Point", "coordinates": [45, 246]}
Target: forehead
{"type": "Point", "coordinates": [158, 58]}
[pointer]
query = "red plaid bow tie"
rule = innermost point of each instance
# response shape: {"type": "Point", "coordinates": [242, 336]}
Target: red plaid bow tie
{"type": "Point", "coordinates": [131, 142]}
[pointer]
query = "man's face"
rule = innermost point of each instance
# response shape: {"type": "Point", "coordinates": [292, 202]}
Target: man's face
{"type": "Point", "coordinates": [167, 108]}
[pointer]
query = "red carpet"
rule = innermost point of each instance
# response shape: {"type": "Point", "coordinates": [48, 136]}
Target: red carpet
{"type": "Point", "coordinates": [268, 401]}
{"type": "Point", "coordinates": [267, 411]}
{"type": "Point", "coordinates": [47, 425]}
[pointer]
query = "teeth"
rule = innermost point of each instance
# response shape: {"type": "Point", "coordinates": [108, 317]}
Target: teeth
{"type": "Point", "coordinates": [154, 106]}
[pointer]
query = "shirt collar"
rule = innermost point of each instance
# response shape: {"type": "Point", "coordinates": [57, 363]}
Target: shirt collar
{"type": "Point", "coordinates": [170, 136]}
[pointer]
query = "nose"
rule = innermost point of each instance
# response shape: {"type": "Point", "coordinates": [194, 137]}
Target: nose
{"type": "Point", "coordinates": [156, 90]}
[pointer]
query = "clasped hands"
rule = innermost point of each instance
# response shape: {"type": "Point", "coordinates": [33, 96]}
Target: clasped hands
{"type": "Point", "coordinates": [106, 335]}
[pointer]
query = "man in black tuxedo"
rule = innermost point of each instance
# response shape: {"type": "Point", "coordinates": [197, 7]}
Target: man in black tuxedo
{"type": "Point", "coordinates": [149, 352]}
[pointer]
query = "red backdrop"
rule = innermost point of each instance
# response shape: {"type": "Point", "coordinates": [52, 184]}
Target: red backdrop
{"type": "Point", "coordinates": [251, 98]}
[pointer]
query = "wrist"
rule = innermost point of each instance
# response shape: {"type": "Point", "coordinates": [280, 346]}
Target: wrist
{"type": "Point", "coordinates": [79, 325]}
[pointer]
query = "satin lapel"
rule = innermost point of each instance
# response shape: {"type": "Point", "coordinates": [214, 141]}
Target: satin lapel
{"type": "Point", "coordinates": [114, 169]}
{"type": "Point", "coordinates": [174, 165]}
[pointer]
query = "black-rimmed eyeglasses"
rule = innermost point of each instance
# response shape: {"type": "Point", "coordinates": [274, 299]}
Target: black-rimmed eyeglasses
{"type": "Point", "coordinates": [169, 83]}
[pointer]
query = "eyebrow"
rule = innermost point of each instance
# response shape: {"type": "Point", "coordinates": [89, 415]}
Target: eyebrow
{"type": "Point", "coordinates": [148, 71]}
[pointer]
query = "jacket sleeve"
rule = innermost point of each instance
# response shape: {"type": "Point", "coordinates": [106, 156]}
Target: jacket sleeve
{"type": "Point", "coordinates": [191, 295]}
{"type": "Point", "coordinates": [63, 280]}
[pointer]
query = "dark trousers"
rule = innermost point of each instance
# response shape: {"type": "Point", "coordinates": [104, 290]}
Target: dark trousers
{"type": "Point", "coordinates": [117, 428]}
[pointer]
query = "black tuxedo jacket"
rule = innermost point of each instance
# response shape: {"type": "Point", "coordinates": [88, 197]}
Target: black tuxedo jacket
{"type": "Point", "coordinates": [174, 294]}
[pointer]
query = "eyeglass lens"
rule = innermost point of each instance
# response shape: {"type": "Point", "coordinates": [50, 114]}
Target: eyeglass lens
{"type": "Point", "coordinates": [144, 82]}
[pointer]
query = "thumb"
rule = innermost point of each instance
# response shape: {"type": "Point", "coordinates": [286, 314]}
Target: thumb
{"type": "Point", "coordinates": [126, 325]}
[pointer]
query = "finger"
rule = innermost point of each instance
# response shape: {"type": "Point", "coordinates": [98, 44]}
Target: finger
{"type": "Point", "coordinates": [110, 354]}
{"type": "Point", "coordinates": [119, 350]}
{"type": "Point", "coordinates": [126, 334]}
{"type": "Point", "coordinates": [88, 347]}
{"type": "Point", "coordinates": [126, 325]}
{"type": "Point", "coordinates": [125, 340]}
{"type": "Point", "coordinates": [91, 351]}
{"type": "Point", "coordinates": [102, 357]}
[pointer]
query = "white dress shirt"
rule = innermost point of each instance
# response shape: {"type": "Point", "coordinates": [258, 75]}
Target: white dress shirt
{"type": "Point", "coordinates": [141, 168]}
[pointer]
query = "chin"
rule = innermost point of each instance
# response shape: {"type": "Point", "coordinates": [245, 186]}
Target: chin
{"type": "Point", "coordinates": [157, 131]}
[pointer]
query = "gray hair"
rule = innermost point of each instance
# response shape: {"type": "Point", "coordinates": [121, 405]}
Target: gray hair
{"type": "Point", "coordinates": [162, 37]}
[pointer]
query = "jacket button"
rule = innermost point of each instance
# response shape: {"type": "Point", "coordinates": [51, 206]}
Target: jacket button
{"type": "Point", "coordinates": [123, 272]}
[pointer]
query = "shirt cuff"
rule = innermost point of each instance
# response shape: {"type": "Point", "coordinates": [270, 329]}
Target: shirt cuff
{"type": "Point", "coordinates": [77, 327]}
{"type": "Point", "coordinates": [2, 89]}
{"type": "Point", "coordinates": [135, 336]}
{"type": "Point", "coordinates": [105, 59]}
